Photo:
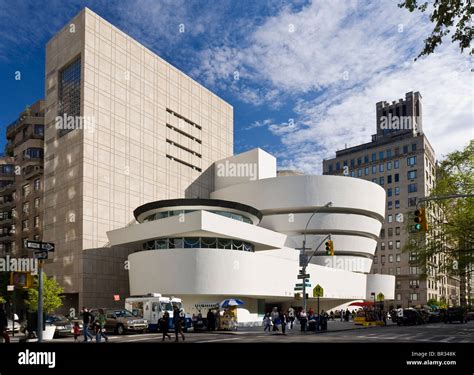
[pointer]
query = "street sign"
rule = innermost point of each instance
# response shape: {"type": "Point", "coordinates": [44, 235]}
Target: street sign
{"type": "Point", "coordinates": [301, 276]}
{"type": "Point", "coordinates": [296, 288]}
{"type": "Point", "coordinates": [380, 297]}
{"type": "Point", "coordinates": [303, 259]}
{"type": "Point", "coordinates": [38, 245]}
{"type": "Point", "coordinates": [41, 255]}
{"type": "Point", "coordinates": [308, 285]}
{"type": "Point", "coordinates": [318, 291]}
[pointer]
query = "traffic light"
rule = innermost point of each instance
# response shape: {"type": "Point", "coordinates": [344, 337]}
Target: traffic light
{"type": "Point", "coordinates": [421, 224]}
{"type": "Point", "coordinates": [329, 248]}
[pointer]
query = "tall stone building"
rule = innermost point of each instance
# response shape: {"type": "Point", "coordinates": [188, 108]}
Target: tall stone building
{"type": "Point", "coordinates": [123, 128]}
{"type": "Point", "coordinates": [401, 160]}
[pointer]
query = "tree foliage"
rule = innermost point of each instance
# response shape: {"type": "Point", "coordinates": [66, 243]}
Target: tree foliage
{"type": "Point", "coordinates": [51, 295]}
{"type": "Point", "coordinates": [446, 16]}
{"type": "Point", "coordinates": [448, 247]}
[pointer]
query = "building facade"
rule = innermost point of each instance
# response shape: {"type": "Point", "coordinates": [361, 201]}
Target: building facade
{"type": "Point", "coordinates": [123, 127]}
{"type": "Point", "coordinates": [401, 160]}
{"type": "Point", "coordinates": [7, 187]}
{"type": "Point", "coordinates": [25, 142]}
{"type": "Point", "coordinates": [243, 241]}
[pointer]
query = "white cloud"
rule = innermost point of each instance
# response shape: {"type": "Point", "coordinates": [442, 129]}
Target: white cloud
{"type": "Point", "coordinates": [342, 58]}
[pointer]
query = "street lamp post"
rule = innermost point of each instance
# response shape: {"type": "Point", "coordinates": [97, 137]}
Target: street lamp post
{"type": "Point", "coordinates": [303, 260]}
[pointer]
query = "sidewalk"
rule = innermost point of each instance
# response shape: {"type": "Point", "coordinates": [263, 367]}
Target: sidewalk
{"type": "Point", "coordinates": [333, 326]}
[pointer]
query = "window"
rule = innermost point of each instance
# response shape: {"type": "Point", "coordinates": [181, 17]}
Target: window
{"type": "Point", "coordinates": [26, 190]}
{"type": "Point", "coordinates": [24, 225]}
{"type": "Point", "coordinates": [390, 271]}
{"type": "Point", "coordinates": [411, 175]}
{"type": "Point", "coordinates": [389, 153]}
{"type": "Point", "coordinates": [405, 149]}
{"type": "Point", "coordinates": [382, 259]}
{"type": "Point", "coordinates": [413, 270]}
{"type": "Point", "coordinates": [389, 192]}
{"type": "Point", "coordinates": [37, 202]}
{"type": "Point", "coordinates": [69, 92]}
{"type": "Point", "coordinates": [399, 297]}
{"type": "Point", "coordinates": [397, 231]}
{"type": "Point", "coordinates": [390, 218]}
{"type": "Point", "coordinates": [411, 160]}
{"type": "Point", "coordinates": [389, 205]}
{"type": "Point", "coordinates": [330, 168]}
{"type": "Point", "coordinates": [359, 173]}
{"type": "Point", "coordinates": [412, 256]}
{"type": "Point", "coordinates": [382, 233]}
{"type": "Point", "coordinates": [381, 168]}
{"type": "Point", "coordinates": [398, 258]}
{"type": "Point", "coordinates": [382, 246]}
{"type": "Point", "coordinates": [352, 163]}
{"type": "Point", "coordinates": [397, 202]}
{"type": "Point", "coordinates": [374, 156]}
{"type": "Point", "coordinates": [36, 221]}
{"type": "Point", "coordinates": [414, 296]}
{"type": "Point", "coordinates": [397, 151]}
{"type": "Point", "coordinates": [397, 244]}
{"type": "Point", "coordinates": [397, 177]}
{"type": "Point", "coordinates": [397, 190]}
{"type": "Point", "coordinates": [389, 166]}
{"type": "Point", "coordinates": [359, 161]}
{"type": "Point", "coordinates": [412, 202]}
{"type": "Point", "coordinates": [389, 179]}
{"type": "Point", "coordinates": [33, 153]}
{"type": "Point", "coordinates": [412, 188]}
{"type": "Point", "coordinates": [366, 171]}
{"type": "Point", "coordinates": [37, 184]}
{"type": "Point", "coordinates": [338, 166]}
{"type": "Point", "coordinates": [376, 260]}
{"type": "Point", "coordinates": [26, 207]}
{"type": "Point", "coordinates": [39, 130]}
{"type": "Point", "coordinates": [381, 155]}
{"type": "Point", "coordinates": [366, 159]}
{"type": "Point", "coordinates": [413, 147]}
{"type": "Point", "coordinates": [381, 181]}
{"type": "Point", "coordinates": [374, 169]}
{"type": "Point", "coordinates": [390, 245]}
{"type": "Point", "coordinates": [390, 232]}
{"type": "Point", "coordinates": [396, 164]}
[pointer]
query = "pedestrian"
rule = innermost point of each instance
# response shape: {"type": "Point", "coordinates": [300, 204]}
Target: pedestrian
{"type": "Point", "coordinates": [342, 315]}
{"type": "Point", "coordinates": [291, 316]}
{"type": "Point", "coordinates": [165, 325]}
{"type": "Point", "coordinates": [267, 323]}
{"type": "Point", "coordinates": [75, 330]}
{"type": "Point", "coordinates": [275, 319]}
{"type": "Point", "coordinates": [211, 321]}
{"type": "Point", "coordinates": [4, 324]}
{"type": "Point", "coordinates": [384, 317]}
{"type": "Point", "coordinates": [332, 315]}
{"type": "Point", "coordinates": [100, 326]}
{"type": "Point", "coordinates": [178, 328]}
{"type": "Point", "coordinates": [283, 320]}
{"type": "Point", "coordinates": [87, 319]}
{"type": "Point", "coordinates": [347, 315]}
{"type": "Point", "coordinates": [303, 320]}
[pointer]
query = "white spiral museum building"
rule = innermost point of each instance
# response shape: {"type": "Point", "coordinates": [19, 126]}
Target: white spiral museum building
{"type": "Point", "coordinates": [242, 241]}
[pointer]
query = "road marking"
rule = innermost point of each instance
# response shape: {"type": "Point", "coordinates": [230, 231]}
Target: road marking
{"type": "Point", "coordinates": [447, 339]}
{"type": "Point", "coordinates": [228, 339]}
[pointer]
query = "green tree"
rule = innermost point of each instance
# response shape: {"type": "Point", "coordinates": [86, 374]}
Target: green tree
{"type": "Point", "coordinates": [447, 248]}
{"type": "Point", "coordinates": [446, 16]}
{"type": "Point", "coordinates": [52, 299]}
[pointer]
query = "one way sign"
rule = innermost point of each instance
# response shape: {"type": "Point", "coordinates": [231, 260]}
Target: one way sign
{"type": "Point", "coordinates": [38, 245]}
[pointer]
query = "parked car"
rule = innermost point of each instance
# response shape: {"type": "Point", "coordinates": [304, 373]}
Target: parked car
{"type": "Point", "coordinates": [434, 317]}
{"type": "Point", "coordinates": [410, 316]}
{"type": "Point", "coordinates": [63, 324]}
{"type": "Point", "coordinates": [120, 321]}
{"type": "Point", "coordinates": [456, 314]}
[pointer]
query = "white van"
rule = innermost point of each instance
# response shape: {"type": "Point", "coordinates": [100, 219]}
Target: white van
{"type": "Point", "coordinates": [152, 307]}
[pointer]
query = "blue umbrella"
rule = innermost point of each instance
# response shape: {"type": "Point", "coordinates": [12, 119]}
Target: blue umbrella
{"type": "Point", "coordinates": [231, 302]}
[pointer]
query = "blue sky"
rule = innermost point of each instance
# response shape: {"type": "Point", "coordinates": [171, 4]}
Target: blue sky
{"type": "Point", "coordinates": [309, 73]}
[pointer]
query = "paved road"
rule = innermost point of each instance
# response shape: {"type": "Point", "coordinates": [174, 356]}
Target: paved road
{"type": "Point", "coordinates": [439, 332]}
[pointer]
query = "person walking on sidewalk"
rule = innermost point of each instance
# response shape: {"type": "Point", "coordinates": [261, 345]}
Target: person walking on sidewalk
{"type": "Point", "coordinates": [4, 324]}
{"type": "Point", "coordinates": [87, 319]}
{"type": "Point", "coordinates": [100, 324]}
{"type": "Point", "coordinates": [283, 320]}
{"type": "Point", "coordinates": [303, 320]}
{"type": "Point", "coordinates": [267, 323]}
{"type": "Point", "coordinates": [291, 316]}
{"type": "Point", "coordinates": [178, 327]}
{"type": "Point", "coordinates": [275, 315]}
{"type": "Point", "coordinates": [165, 325]}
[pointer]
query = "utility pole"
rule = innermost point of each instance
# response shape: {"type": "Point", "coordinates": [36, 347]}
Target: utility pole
{"type": "Point", "coordinates": [40, 301]}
